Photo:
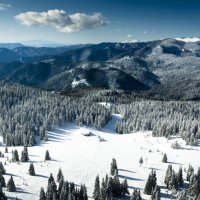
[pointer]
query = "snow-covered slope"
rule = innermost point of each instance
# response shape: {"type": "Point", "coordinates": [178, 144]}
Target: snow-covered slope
{"type": "Point", "coordinates": [192, 39]}
{"type": "Point", "coordinates": [82, 158]}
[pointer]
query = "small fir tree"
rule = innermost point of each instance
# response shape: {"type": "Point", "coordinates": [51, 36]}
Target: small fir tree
{"type": "Point", "coordinates": [31, 170]}
{"type": "Point", "coordinates": [42, 194]}
{"type": "Point", "coordinates": [164, 160]}
{"type": "Point", "coordinates": [47, 156]}
{"type": "Point", "coordinates": [11, 185]}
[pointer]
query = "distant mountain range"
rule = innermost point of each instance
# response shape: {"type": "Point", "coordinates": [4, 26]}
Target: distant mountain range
{"type": "Point", "coordinates": [162, 69]}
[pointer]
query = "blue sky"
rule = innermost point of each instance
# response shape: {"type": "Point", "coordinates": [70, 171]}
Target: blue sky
{"type": "Point", "coordinates": [90, 21]}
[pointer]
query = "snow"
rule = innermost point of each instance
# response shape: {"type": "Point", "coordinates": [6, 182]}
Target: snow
{"type": "Point", "coordinates": [75, 83]}
{"type": "Point", "coordinates": [82, 158]}
{"type": "Point", "coordinates": [193, 39]}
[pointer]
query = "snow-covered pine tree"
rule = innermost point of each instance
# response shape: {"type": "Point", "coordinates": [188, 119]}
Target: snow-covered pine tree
{"type": "Point", "coordinates": [60, 175]}
{"type": "Point", "coordinates": [156, 193]}
{"type": "Point", "coordinates": [11, 185]}
{"type": "Point", "coordinates": [124, 187]}
{"type": "Point", "coordinates": [141, 161]}
{"type": "Point", "coordinates": [164, 159]}
{"type": "Point", "coordinates": [113, 167]}
{"type": "Point", "coordinates": [190, 171]}
{"type": "Point", "coordinates": [136, 195]}
{"type": "Point", "coordinates": [31, 170]}
{"type": "Point", "coordinates": [2, 180]}
{"type": "Point", "coordinates": [180, 177]}
{"type": "Point", "coordinates": [51, 188]}
{"type": "Point", "coordinates": [2, 169]}
{"type": "Point", "coordinates": [151, 183]}
{"type": "Point", "coordinates": [168, 175]}
{"type": "Point", "coordinates": [2, 194]}
{"type": "Point", "coordinates": [47, 156]}
{"type": "Point", "coordinates": [42, 194]}
{"type": "Point", "coordinates": [96, 193]}
{"type": "Point", "coordinates": [15, 156]}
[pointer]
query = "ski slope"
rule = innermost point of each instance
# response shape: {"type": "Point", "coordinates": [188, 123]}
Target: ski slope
{"type": "Point", "coordinates": [82, 158]}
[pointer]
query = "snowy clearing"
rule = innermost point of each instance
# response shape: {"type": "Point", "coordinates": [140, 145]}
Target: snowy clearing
{"type": "Point", "coordinates": [82, 158]}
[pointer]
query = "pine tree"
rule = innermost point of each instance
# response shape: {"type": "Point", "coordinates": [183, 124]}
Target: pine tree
{"type": "Point", "coordinates": [156, 193]}
{"type": "Point", "coordinates": [2, 195]}
{"type": "Point", "coordinates": [2, 169]}
{"type": "Point", "coordinates": [6, 149]}
{"type": "Point", "coordinates": [136, 195]}
{"type": "Point", "coordinates": [168, 175]}
{"type": "Point", "coordinates": [51, 188]}
{"type": "Point", "coordinates": [42, 194]}
{"type": "Point", "coordinates": [189, 172]}
{"type": "Point", "coordinates": [180, 177]}
{"type": "Point", "coordinates": [15, 156]}
{"type": "Point", "coordinates": [164, 158]}
{"type": "Point", "coordinates": [124, 187]}
{"type": "Point", "coordinates": [64, 191]}
{"type": "Point", "coordinates": [141, 161]}
{"type": "Point", "coordinates": [47, 156]}
{"type": "Point", "coordinates": [113, 167]}
{"type": "Point", "coordinates": [109, 194]}
{"type": "Point", "coordinates": [60, 175]}
{"type": "Point", "coordinates": [11, 185]}
{"type": "Point", "coordinates": [151, 183]}
{"type": "Point", "coordinates": [173, 183]}
{"type": "Point", "coordinates": [96, 193]}
{"type": "Point", "coordinates": [2, 180]}
{"type": "Point", "coordinates": [24, 155]}
{"type": "Point", "coordinates": [103, 189]}
{"type": "Point", "coordinates": [31, 170]}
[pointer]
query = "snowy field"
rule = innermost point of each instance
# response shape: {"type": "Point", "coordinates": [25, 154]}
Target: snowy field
{"type": "Point", "coordinates": [82, 158]}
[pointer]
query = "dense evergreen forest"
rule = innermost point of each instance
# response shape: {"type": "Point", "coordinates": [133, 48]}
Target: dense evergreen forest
{"type": "Point", "coordinates": [26, 113]}
{"type": "Point", "coordinates": [164, 118]}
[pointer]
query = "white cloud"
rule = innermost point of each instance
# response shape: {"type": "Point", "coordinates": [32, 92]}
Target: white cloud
{"type": "Point", "coordinates": [61, 21]}
{"type": "Point", "coordinates": [4, 6]}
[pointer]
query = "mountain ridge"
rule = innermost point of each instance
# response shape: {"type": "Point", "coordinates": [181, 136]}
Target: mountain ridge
{"type": "Point", "coordinates": [155, 68]}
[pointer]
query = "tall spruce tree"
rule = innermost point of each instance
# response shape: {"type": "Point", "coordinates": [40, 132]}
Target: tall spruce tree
{"type": "Point", "coordinates": [156, 193]}
{"type": "Point", "coordinates": [113, 167]}
{"type": "Point", "coordinates": [51, 188]}
{"type": "Point", "coordinates": [96, 193]}
{"type": "Point", "coordinates": [60, 175]}
{"type": "Point", "coordinates": [190, 171]}
{"type": "Point", "coordinates": [151, 183]}
{"type": "Point", "coordinates": [180, 177]}
{"type": "Point", "coordinates": [168, 175]}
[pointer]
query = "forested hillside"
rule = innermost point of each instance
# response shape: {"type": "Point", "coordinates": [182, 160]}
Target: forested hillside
{"type": "Point", "coordinates": [27, 114]}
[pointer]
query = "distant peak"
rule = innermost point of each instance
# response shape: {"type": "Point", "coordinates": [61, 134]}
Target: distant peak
{"type": "Point", "coordinates": [189, 39]}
